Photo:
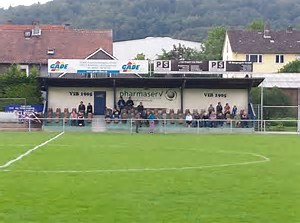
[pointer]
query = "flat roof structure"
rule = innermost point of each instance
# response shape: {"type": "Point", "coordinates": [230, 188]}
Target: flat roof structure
{"type": "Point", "coordinates": [186, 82]}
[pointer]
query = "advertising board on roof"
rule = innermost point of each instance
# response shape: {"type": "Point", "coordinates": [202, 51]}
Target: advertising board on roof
{"type": "Point", "coordinates": [97, 66]}
{"type": "Point", "coordinates": [168, 66]}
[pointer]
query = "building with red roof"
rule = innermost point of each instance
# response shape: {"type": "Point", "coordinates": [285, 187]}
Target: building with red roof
{"type": "Point", "coordinates": [32, 45]}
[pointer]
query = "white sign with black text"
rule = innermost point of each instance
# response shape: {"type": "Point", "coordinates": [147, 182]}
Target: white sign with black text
{"type": "Point", "coordinates": [217, 65]}
{"type": "Point", "coordinates": [162, 65]}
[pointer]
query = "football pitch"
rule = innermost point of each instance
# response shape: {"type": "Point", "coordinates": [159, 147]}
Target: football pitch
{"type": "Point", "coordinates": [149, 178]}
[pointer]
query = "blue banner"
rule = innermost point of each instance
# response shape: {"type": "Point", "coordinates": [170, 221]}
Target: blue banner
{"type": "Point", "coordinates": [23, 108]}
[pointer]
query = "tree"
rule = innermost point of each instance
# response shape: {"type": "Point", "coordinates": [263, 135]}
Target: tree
{"type": "Point", "coordinates": [187, 19]}
{"type": "Point", "coordinates": [291, 67]}
{"type": "Point", "coordinates": [15, 84]}
{"type": "Point", "coordinates": [272, 97]}
{"type": "Point", "coordinates": [180, 52]}
{"type": "Point", "coordinates": [140, 56]}
{"type": "Point", "coordinates": [256, 25]}
{"type": "Point", "coordinates": [213, 44]}
{"type": "Point", "coordinates": [211, 49]}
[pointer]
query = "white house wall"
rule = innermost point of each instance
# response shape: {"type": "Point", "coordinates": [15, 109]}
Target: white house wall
{"type": "Point", "coordinates": [227, 51]}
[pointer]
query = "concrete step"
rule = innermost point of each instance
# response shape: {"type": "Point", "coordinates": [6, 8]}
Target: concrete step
{"type": "Point", "coordinates": [98, 123]}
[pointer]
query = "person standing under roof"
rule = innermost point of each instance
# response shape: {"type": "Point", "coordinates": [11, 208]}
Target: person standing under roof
{"type": "Point", "coordinates": [81, 107]}
{"type": "Point", "coordinates": [121, 103]}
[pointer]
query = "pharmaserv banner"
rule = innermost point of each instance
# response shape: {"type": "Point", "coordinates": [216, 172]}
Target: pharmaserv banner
{"type": "Point", "coordinates": [97, 66]}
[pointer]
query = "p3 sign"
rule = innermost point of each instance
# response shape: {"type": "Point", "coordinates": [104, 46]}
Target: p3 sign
{"type": "Point", "coordinates": [217, 65]}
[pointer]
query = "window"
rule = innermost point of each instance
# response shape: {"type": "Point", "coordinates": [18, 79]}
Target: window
{"type": "Point", "coordinates": [27, 33]}
{"type": "Point", "coordinates": [279, 58]}
{"type": "Point", "coordinates": [25, 68]}
{"type": "Point", "coordinates": [255, 58]}
{"type": "Point", "coordinates": [51, 52]}
{"type": "Point", "coordinates": [36, 31]}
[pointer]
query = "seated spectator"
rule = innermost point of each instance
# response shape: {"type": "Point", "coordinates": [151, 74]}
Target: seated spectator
{"type": "Point", "coordinates": [80, 119]}
{"type": "Point", "coordinates": [205, 118]}
{"type": "Point", "coordinates": [212, 119]}
{"type": "Point", "coordinates": [220, 118]}
{"type": "Point", "coordinates": [129, 104]}
{"type": "Point", "coordinates": [116, 115]}
{"type": "Point", "coordinates": [196, 118]}
{"type": "Point", "coordinates": [234, 111]}
{"type": "Point", "coordinates": [108, 115]}
{"type": "Point", "coordinates": [228, 120]}
{"type": "Point", "coordinates": [124, 116]}
{"type": "Point", "coordinates": [73, 118]}
{"type": "Point", "coordinates": [244, 118]}
{"type": "Point", "coordinates": [226, 109]}
{"type": "Point", "coordinates": [210, 109]}
{"type": "Point", "coordinates": [237, 121]}
{"type": "Point", "coordinates": [189, 119]}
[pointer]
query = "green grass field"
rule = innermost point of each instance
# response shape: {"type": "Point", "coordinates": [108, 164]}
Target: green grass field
{"type": "Point", "coordinates": [89, 177]}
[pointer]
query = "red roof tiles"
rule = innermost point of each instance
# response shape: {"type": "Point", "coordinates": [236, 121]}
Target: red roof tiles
{"type": "Point", "coordinates": [282, 41]}
{"type": "Point", "coordinates": [67, 43]}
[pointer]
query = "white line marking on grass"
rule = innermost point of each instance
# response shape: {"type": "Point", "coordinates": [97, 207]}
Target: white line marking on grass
{"type": "Point", "coordinates": [29, 151]}
{"type": "Point", "coordinates": [264, 159]}
{"type": "Point", "coordinates": [12, 145]}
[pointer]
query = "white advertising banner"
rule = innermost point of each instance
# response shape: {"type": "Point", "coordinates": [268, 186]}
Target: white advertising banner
{"type": "Point", "coordinates": [97, 66]}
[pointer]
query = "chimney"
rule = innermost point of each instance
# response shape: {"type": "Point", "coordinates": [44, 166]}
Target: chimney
{"type": "Point", "coordinates": [289, 29]}
{"type": "Point", "coordinates": [267, 30]}
{"type": "Point", "coordinates": [35, 22]}
{"type": "Point", "coordinates": [67, 26]}
{"type": "Point", "coordinates": [36, 31]}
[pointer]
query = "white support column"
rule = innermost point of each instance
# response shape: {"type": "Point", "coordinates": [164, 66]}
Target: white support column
{"type": "Point", "coordinates": [298, 117]}
{"type": "Point", "coordinates": [262, 105]}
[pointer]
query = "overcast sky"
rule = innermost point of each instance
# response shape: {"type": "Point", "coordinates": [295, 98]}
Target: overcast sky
{"type": "Point", "coordinates": [6, 3]}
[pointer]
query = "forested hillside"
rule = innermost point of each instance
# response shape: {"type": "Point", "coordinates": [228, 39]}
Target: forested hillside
{"type": "Point", "coordinates": [185, 19]}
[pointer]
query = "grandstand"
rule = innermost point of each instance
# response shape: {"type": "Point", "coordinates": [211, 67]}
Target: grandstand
{"type": "Point", "coordinates": [169, 98]}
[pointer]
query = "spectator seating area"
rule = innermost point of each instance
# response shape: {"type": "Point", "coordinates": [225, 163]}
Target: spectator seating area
{"type": "Point", "coordinates": [60, 116]}
{"type": "Point", "coordinates": [168, 118]}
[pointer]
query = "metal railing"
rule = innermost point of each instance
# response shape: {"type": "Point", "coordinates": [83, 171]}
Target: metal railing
{"type": "Point", "coordinates": [164, 126]}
